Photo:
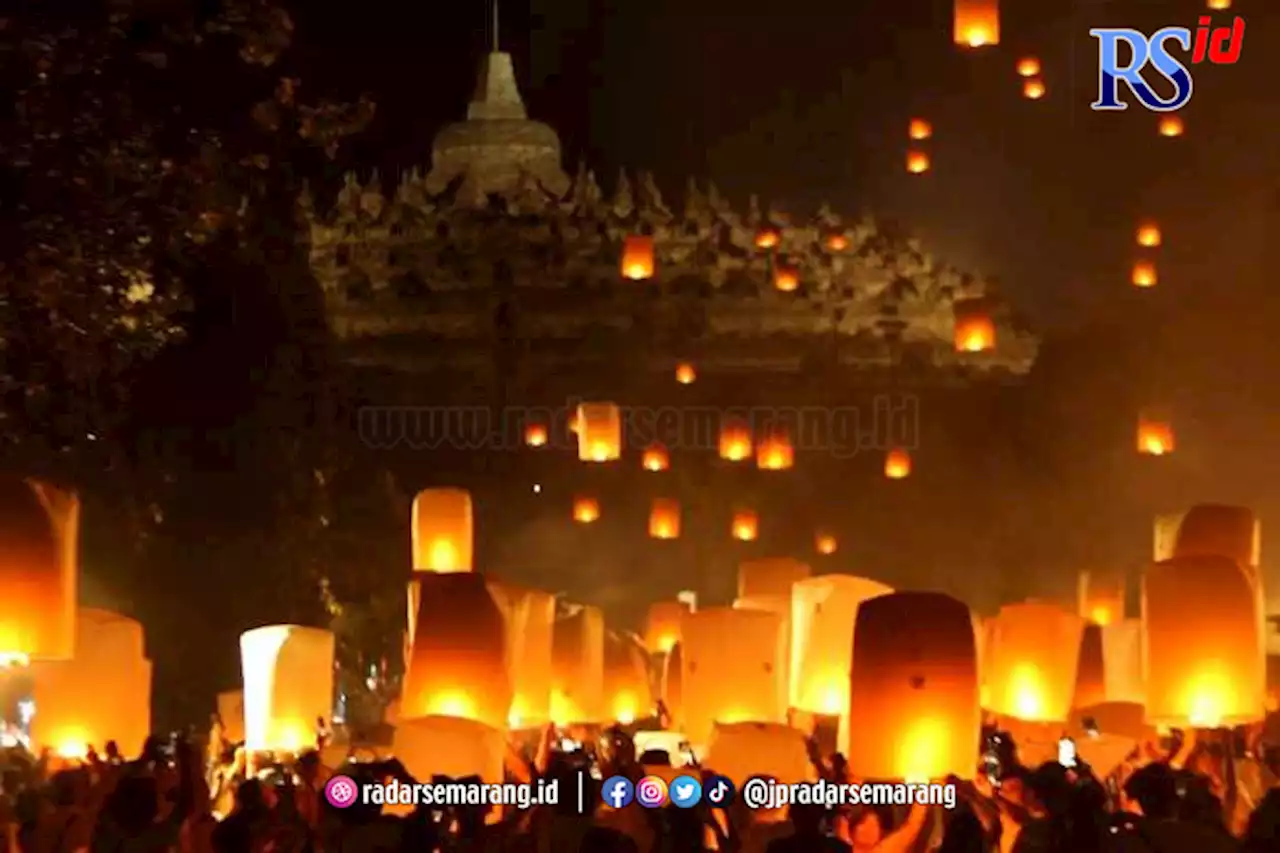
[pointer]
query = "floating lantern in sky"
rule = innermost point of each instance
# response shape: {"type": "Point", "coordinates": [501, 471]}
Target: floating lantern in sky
{"type": "Point", "coordinates": [917, 162]}
{"type": "Point", "coordinates": [977, 23]}
{"type": "Point", "coordinates": [655, 458]}
{"type": "Point", "coordinates": [975, 331]}
{"type": "Point", "coordinates": [1028, 66]}
{"type": "Point", "coordinates": [535, 435]}
{"type": "Point", "coordinates": [637, 258]}
{"type": "Point", "coordinates": [599, 432]}
{"type": "Point", "coordinates": [768, 237]}
{"type": "Point", "coordinates": [1219, 5]}
{"type": "Point", "coordinates": [586, 510]}
{"type": "Point", "coordinates": [1145, 274]}
{"type": "Point", "coordinates": [1155, 436]}
{"type": "Point", "coordinates": [745, 526]}
{"type": "Point", "coordinates": [664, 519]}
{"type": "Point", "coordinates": [837, 242]}
{"type": "Point", "coordinates": [735, 441]}
{"type": "Point", "coordinates": [775, 453]}
{"type": "Point", "coordinates": [442, 531]}
{"type": "Point", "coordinates": [1031, 665]}
{"type": "Point", "coordinates": [825, 543]}
{"type": "Point", "coordinates": [1171, 126]}
{"type": "Point", "coordinates": [1033, 89]}
{"type": "Point", "coordinates": [529, 615]}
{"type": "Point", "coordinates": [897, 464]}
{"type": "Point", "coordinates": [919, 129]}
{"type": "Point", "coordinates": [786, 279]}
{"type": "Point", "coordinates": [686, 374]}
{"type": "Point", "coordinates": [288, 683]}
{"type": "Point", "coordinates": [1149, 236]}
{"type": "Point", "coordinates": [732, 660]}
{"type": "Point", "coordinates": [577, 667]}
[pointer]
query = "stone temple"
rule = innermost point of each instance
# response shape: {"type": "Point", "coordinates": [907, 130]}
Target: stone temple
{"type": "Point", "coordinates": [496, 278]}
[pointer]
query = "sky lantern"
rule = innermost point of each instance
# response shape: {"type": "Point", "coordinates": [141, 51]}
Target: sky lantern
{"type": "Point", "coordinates": [457, 665]}
{"type": "Point", "coordinates": [1155, 436]}
{"type": "Point", "coordinates": [1144, 274]}
{"type": "Point", "coordinates": [1206, 665]}
{"type": "Point", "coordinates": [626, 680]}
{"type": "Point", "coordinates": [780, 606]}
{"type": "Point", "coordinates": [745, 526]}
{"type": "Point", "coordinates": [686, 374]}
{"type": "Point", "coordinates": [662, 625]}
{"type": "Point", "coordinates": [1033, 89]}
{"type": "Point", "coordinates": [442, 531]}
{"type": "Point", "coordinates": [743, 750]}
{"type": "Point", "coordinates": [577, 668]}
{"type": "Point", "coordinates": [1149, 235]}
{"type": "Point", "coordinates": [528, 615]}
{"type": "Point", "coordinates": [735, 441]}
{"type": "Point", "coordinates": [770, 576]}
{"type": "Point", "coordinates": [1028, 66]}
{"type": "Point", "coordinates": [1091, 679]}
{"type": "Point", "coordinates": [1031, 665]}
{"type": "Point", "coordinates": [913, 689]}
{"type": "Point", "coordinates": [919, 129]}
{"type": "Point", "coordinates": [655, 458]}
{"type": "Point", "coordinates": [1122, 661]}
{"type": "Point", "coordinates": [917, 162]}
{"type": "Point", "coordinates": [599, 432]}
{"type": "Point", "coordinates": [39, 536]}
{"type": "Point", "coordinates": [1101, 597]}
{"type": "Point", "coordinates": [664, 519]}
{"type": "Point", "coordinates": [1219, 5]}
{"type": "Point", "coordinates": [535, 435]}
{"type": "Point", "coordinates": [824, 610]}
{"type": "Point", "coordinates": [775, 453]}
{"type": "Point", "coordinates": [288, 685]}
{"type": "Point", "coordinates": [837, 242]}
{"type": "Point", "coordinates": [825, 543]}
{"type": "Point", "coordinates": [451, 747]}
{"type": "Point", "coordinates": [786, 278]}
{"type": "Point", "coordinates": [975, 330]}
{"type": "Point", "coordinates": [897, 464]}
{"type": "Point", "coordinates": [768, 237]}
{"type": "Point", "coordinates": [731, 665]}
{"type": "Point", "coordinates": [1171, 126]}
{"type": "Point", "coordinates": [977, 23]}
{"type": "Point", "coordinates": [103, 693]}
{"type": "Point", "coordinates": [586, 510]}
{"type": "Point", "coordinates": [637, 258]}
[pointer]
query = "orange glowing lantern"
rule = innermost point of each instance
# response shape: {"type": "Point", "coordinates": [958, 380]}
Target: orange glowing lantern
{"type": "Point", "coordinates": [913, 689]}
{"type": "Point", "coordinates": [442, 531]}
{"type": "Point", "coordinates": [288, 684]}
{"type": "Point", "coordinates": [586, 510]}
{"type": "Point", "coordinates": [457, 664]}
{"type": "Point", "coordinates": [825, 544]}
{"type": "Point", "coordinates": [664, 519]}
{"type": "Point", "coordinates": [1122, 662]}
{"type": "Point", "coordinates": [917, 162]}
{"type": "Point", "coordinates": [1155, 436]}
{"type": "Point", "coordinates": [775, 453]}
{"type": "Point", "coordinates": [780, 606]}
{"type": "Point", "coordinates": [529, 615]}
{"type": "Point", "coordinates": [786, 279]}
{"type": "Point", "coordinates": [626, 680]}
{"type": "Point", "coordinates": [977, 23]}
{"type": "Point", "coordinates": [772, 576]}
{"type": "Point", "coordinates": [39, 533]}
{"type": "Point", "coordinates": [1149, 236]}
{"type": "Point", "coordinates": [897, 464]}
{"type": "Point", "coordinates": [599, 432]}
{"type": "Point", "coordinates": [685, 374]}
{"type": "Point", "coordinates": [735, 442]}
{"type": "Point", "coordinates": [662, 627]}
{"type": "Point", "coordinates": [975, 330]}
{"type": "Point", "coordinates": [1205, 660]}
{"type": "Point", "coordinates": [1091, 679]}
{"type": "Point", "coordinates": [656, 458]}
{"type": "Point", "coordinates": [743, 750]}
{"type": "Point", "coordinates": [919, 129]}
{"type": "Point", "coordinates": [637, 258]}
{"type": "Point", "coordinates": [746, 525]}
{"type": "Point", "coordinates": [1033, 89]}
{"type": "Point", "coordinates": [535, 435]}
{"type": "Point", "coordinates": [1219, 5]}
{"type": "Point", "coordinates": [1101, 597]}
{"type": "Point", "coordinates": [577, 668]}
{"type": "Point", "coordinates": [732, 660]}
{"type": "Point", "coordinates": [1145, 274]}
{"type": "Point", "coordinates": [768, 237]}
{"type": "Point", "coordinates": [837, 242]}
{"type": "Point", "coordinates": [1172, 126]}
{"type": "Point", "coordinates": [1031, 665]}
{"type": "Point", "coordinates": [450, 747]}
{"type": "Point", "coordinates": [1028, 66]}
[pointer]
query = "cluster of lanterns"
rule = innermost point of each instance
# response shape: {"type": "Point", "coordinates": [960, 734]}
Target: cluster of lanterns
{"type": "Point", "coordinates": [1029, 69]}
{"type": "Point", "coordinates": [918, 131]}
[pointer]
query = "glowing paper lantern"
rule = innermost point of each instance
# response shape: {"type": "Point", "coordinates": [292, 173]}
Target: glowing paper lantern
{"type": "Point", "coordinates": [1028, 66]}
{"type": "Point", "coordinates": [686, 374]}
{"type": "Point", "coordinates": [443, 532]}
{"type": "Point", "coordinates": [735, 441]}
{"type": "Point", "coordinates": [1219, 5]}
{"type": "Point", "coordinates": [914, 689]}
{"type": "Point", "coordinates": [1101, 597]}
{"type": "Point", "coordinates": [586, 510]}
{"type": "Point", "coordinates": [231, 712]}
{"type": "Point", "coordinates": [919, 129]}
{"type": "Point", "coordinates": [664, 519]}
{"type": "Point", "coordinates": [528, 615]}
{"type": "Point", "coordinates": [662, 625]}
{"type": "Point", "coordinates": [577, 667]}
{"type": "Point", "coordinates": [599, 432]}
{"type": "Point", "coordinates": [780, 606]}
{"type": "Point", "coordinates": [1155, 436]}
{"type": "Point", "coordinates": [768, 237]}
{"type": "Point", "coordinates": [770, 576]}
{"type": "Point", "coordinates": [825, 543]}
{"type": "Point", "coordinates": [1122, 662]}
{"type": "Point", "coordinates": [731, 666]}
{"type": "Point", "coordinates": [39, 532]}
{"type": "Point", "coordinates": [535, 435]}
{"type": "Point", "coordinates": [786, 279]}
{"type": "Point", "coordinates": [837, 242]}
{"type": "Point", "coordinates": [1205, 664]}
{"type": "Point", "coordinates": [1031, 665]}
{"type": "Point", "coordinates": [1145, 274]}
{"type": "Point", "coordinates": [975, 331]}
{"type": "Point", "coordinates": [775, 453]}
{"type": "Point", "coordinates": [450, 746]}
{"type": "Point", "coordinates": [103, 693]}
{"type": "Point", "coordinates": [655, 458]}
{"type": "Point", "coordinates": [1033, 89]}
{"type": "Point", "coordinates": [897, 464]}
{"type": "Point", "coordinates": [626, 681]}
{"type": "Point", "coordinates": [746, 525]}
{"type": "Point", "coordinates": [637, 258]}
{"type": "Point", "coordinates": [977, 23]}
{"type": "Point", "coordinates": [1091, 679]}
{"type": "Point", "coordinates": [917, 162]}
{"type": "Point", "coordinates": [1149, 235]}
{"type": "Point", "coordinates": [288, 685]}
{"type": "Point", "coordinates": [1172, 126]}
{"type": "Point", "coordinates": [746, 749]}
{"type": "Point", "coordinates": [457, 664]}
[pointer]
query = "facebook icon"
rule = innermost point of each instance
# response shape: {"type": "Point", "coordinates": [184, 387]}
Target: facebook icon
{"type": "Point", "coordinates": [618, 791]}
{"type": "Point", "coordinates": [1144, 51]}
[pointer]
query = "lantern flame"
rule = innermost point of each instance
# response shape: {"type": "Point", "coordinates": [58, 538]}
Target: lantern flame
{"type": "Point", "coordinates": [1026, 686]}
{"type": "Point", "coordinates": [624, 708]}
{"type": "Point", "coordinates": [767, 238]}
{"type": "Point", "coordinates": [685, 374]}
{"type": "Point", "coordinates": [786, 279]}
{"type": "Point", "coordinates": [919, 129]}
{"type": "Point", "coordinates": [745, 526]}
{"type": "Point", "coordinates": [1155, 438]}
{"type": "Point", "coordinates": [1208, 695]}
{"type": "Point", "coordinates": [1144, 274]}
{"type": "Point", "coordinates": [1034, 89]}
{"type": "Point", "coordinates": [735, 443]}
{"type": "Point", "coordinates": [917, 162]}
{"type": "Point", "coordinates": [1101, 615]}
{"type": "Point", "coordinates": [897, 464]}
{"type": "Point", "coordinates": [825, 544]}
{"type": "Point", "coordinates": [656, 459]}
{"type": "Point", "coordinates": [638, 258]}
{"type": "Point", "coordinates": [444, 557]}
{"type": "Point", "coordinates": [586, 510]}
{"type": "Point", "coordinates": [74, 748]}
{"type": "Point", "coordinates": [456, 704]}
{"type": "Point", "coordinates": [1149, 236]}
{"type": "Point", "coordinates": [535, 436]}
{"type": "Point", "coordinates": [919, 749]}
{"type": "Point", "coordinates": [1028, 66]}
{"type": "Point", "coordinates": [1171, 126]}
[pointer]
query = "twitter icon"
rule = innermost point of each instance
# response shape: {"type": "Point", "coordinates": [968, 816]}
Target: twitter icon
{"type": "Point", "coordinates": [686, 791]}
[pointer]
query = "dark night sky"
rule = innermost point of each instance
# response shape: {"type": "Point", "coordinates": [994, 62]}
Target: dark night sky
{"type": "Point", "coordinates": [808, 100]}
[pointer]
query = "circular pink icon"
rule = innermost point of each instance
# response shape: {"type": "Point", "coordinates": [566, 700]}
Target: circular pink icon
{"type": "Point", "coordinates": [340, 791]}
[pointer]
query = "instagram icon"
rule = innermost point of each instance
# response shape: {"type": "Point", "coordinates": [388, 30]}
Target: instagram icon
{"type": "Point", "coordinates": [651, 792]}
